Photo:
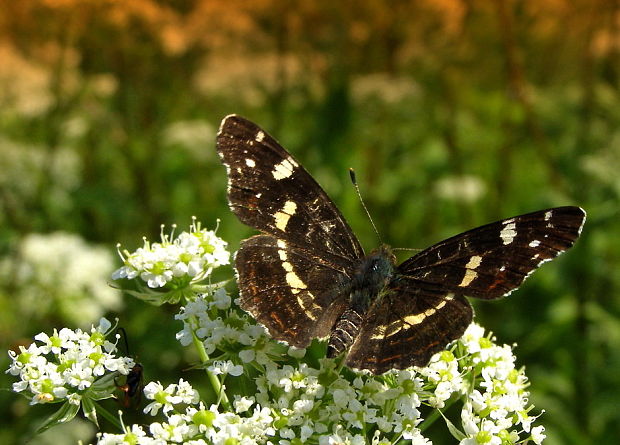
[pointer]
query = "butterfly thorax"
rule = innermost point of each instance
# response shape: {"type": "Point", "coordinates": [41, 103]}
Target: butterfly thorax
{"type": "Point", "coordinates": [372, 275]}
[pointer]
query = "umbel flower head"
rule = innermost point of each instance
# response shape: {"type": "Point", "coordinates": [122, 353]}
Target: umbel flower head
{"type": "Point", "coordinates": [71, 366]}
{"type": "Point", "coordinates": [296, 401]}
{"type": "Point", "coordinates": [174, 268]}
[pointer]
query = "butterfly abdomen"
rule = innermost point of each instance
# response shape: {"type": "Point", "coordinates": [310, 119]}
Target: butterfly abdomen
{"type": "Point", "coordinates": [344, 332]}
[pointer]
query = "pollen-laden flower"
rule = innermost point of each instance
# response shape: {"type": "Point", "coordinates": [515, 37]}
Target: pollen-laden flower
{"type": "Point", "coordinates": [175, 262]}
{"type": "Point", "coordinates": [64, 366]}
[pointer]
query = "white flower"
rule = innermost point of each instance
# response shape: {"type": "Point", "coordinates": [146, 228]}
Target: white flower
{"type": "Point", "coordinates": [537, 434]}
{"type": "Point", "coordinates": [303, 406]}
{"type": "Point", "coordinates": [226, 367]}
{"type": "Point", "coordinates": [162, 398]}
{"type": "Point", "coordinates": [472, 338]}
{"type": "Point", "coordinates": [80, 376]}
{"type": "Point", "coordinates": [54, 343]}
{"type": "Point", "coordinates": [186, 393]}
{"type": "Point", "coordinates": [242, 404]}
{"type": "Point", "coordinates": [221, 299]}
{"type": "Point", "coordinates": [175, 430]}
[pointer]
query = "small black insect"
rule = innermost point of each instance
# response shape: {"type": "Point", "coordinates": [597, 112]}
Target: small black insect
{"type": "Point", "coordinates": [134, 380]}
{"type": "Point", "coordinates": [306, 276]}
{"type": "Point", "coordinates": [132, 388]}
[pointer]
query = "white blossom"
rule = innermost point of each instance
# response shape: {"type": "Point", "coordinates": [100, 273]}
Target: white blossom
{"type": "Point", "coordinates": [65, 365]}
{"type": "Point", "coordinates": [190, 257]}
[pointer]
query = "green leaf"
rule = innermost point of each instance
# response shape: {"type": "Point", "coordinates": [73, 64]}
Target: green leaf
{"type": "Point", "coordinates": [66, 413]}
{"type": "Point", "coordinates": [104, 387]}
{"type": "Point", "coordinates": [456, 433]}
{"type": "Point", "coordinates": [88, 407]}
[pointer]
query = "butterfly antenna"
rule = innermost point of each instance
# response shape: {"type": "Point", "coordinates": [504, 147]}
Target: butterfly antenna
{"type": "Point", "coordinates": [359, 195]}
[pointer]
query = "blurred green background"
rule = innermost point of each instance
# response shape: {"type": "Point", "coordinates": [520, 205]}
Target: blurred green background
{"type": "Point", "coordinates": [454, 113]}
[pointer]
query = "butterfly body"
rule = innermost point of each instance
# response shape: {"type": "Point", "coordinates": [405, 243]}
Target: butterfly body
{"type": "Point", "coordinates": [371, 278]}
{"type": "Point", "coordinates": [306, 275]}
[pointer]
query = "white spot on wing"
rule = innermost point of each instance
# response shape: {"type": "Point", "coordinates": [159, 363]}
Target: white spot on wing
{"type": "Point", "coordinates": [260, 136]}
{"type": "Point", "coordinates": [250, 162]}
{"type": "Point", "coordinates": [508, 233]}
{"type": "Point", "coordinates": [284, 169]}
{"type": "Point", "coordinates": [534, 243]}
{"type": "Point", "coordinates": [470, 273]}
{"type": "Point", "coordinates": [548, 215]}
{"type": "Point", "coordinates": [474, 262]}
{"type": "Point", "coordinates": [285, 214]}
{"type": "Point", "coordinates": [305, 299]}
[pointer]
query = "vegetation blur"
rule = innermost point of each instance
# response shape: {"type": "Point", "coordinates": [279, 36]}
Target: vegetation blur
{"type": "Point", "coordinates": [453, 113]}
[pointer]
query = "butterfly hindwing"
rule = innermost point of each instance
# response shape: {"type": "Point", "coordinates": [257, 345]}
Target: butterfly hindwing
{"type": "Point", "coordinates": [492, 260]}
{"type": "Point", "coordinates": [407, 327]}
{"type": "Point", "coordinates": [292, 308]}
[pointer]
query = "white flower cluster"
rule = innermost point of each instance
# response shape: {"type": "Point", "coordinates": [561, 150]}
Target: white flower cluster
{"type": "Point", "coordinates": [320, 405]}
{"type": "Point", "coordinates": [188, 421]}
{"type": "Point", "coordinates": [61, 272]}
{"type": "Point", "coordinates": [498, 403]}
{"type": "Point", "coordinates": [67, 364]}
{"type": "Point", "coordinates": [298, 404]}
{"type": "Point", "coordinates": [210, 318]}
{"type": "Point", "coordinates": [190, 257]}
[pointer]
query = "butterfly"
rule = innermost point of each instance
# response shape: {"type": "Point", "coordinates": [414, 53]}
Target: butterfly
{"type": "Point", "coordinates": [306, 275]}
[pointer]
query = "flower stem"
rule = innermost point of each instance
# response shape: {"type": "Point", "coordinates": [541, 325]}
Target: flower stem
{"type": "Point", "coordinates": [435, 414]}
{"type": "Point", "coordinates": [215, 382]}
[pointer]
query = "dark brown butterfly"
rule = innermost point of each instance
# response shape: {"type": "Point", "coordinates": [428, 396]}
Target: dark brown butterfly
{"type": "Point", "coordinates": [306, 276]}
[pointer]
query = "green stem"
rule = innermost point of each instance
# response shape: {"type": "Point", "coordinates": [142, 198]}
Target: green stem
{"type": "Point", "coordinates": [435, 414]}
{"type": "Point", "coordinates": [114, 420]}
{"type": "Point", "coordinates": [215, 382]}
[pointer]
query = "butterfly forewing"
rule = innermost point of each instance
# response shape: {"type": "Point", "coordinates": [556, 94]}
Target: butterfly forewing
{"type": "Point", "coordinates": [491, 261]}
{"type": "Point", "coordinates": [270, 191]}
{"type": "Point", "coordinates": [289, 278]}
